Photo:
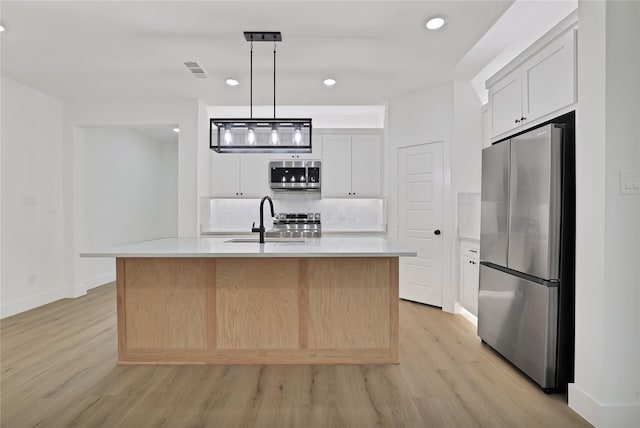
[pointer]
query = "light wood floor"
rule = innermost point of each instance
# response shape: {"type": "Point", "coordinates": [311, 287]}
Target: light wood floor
{"type": "Point", "coordinates": [58, 370]}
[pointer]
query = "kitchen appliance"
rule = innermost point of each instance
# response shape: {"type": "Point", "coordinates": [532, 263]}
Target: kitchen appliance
{"type": "Point", "coordinates": [296, 225]}
{"type": "Point", "coordinates": [294, 175]}
{"type": "Point", "coordinates": [527, 245]}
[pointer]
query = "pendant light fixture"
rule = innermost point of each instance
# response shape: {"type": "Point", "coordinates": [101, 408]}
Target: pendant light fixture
{"type": "Point", "coordinates": [251, 135]}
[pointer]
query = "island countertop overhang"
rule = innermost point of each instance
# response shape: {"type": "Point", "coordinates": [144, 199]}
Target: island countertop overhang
{"type": "Point", "coordinates": [221, 247]}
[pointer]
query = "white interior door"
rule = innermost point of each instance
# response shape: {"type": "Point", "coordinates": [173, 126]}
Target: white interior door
{"type": "Point", "coordinates": [420, 218]}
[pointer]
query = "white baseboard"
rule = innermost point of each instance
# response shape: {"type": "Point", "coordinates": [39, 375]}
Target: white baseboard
{"type": "Point", "coordinates": [603, 415]}
{"type": "Point", "coordinates": [86, 285]}
{"type": "Point", "coordinates": [30, 302]}
{"type": "Point", "coordinates": [461, 310]}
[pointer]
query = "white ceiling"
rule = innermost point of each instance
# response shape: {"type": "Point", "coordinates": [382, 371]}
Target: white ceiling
{"type": "Point", "coordinates": [104, 49]}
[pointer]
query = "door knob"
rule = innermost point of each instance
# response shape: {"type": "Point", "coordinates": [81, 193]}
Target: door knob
{"type": "Point", "coordinates": [436, 232]}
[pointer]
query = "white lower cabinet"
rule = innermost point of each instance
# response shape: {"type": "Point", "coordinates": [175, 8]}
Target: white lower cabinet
{"type": "Point", "coordinates": [469, 276]}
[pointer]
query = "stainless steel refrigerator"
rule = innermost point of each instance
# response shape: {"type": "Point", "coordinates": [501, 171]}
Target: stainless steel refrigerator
{"type": "Point", "coordinates": [525, 303]}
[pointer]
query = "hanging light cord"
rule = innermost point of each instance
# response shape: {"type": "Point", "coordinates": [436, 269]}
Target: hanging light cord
{"type": "Point", "coordinates": [251, 83]}
{"type": "Point", "coordinates": [274, 79]}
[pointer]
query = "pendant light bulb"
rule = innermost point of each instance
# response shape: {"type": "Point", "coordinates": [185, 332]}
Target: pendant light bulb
{"type": "Point", "coordinates": [251, 136]}
{"type": "Point", "coordinates": [227, 135]}
{"type": "Point", "coordinates": [274, 135]}
{"type": "Point", "coordinates": [297, 136]}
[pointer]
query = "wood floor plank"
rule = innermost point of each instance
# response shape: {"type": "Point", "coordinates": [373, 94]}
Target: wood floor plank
{"type": "Point", "coordinates": [58, 369]}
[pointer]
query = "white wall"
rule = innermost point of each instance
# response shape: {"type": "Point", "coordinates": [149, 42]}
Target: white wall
{"type": "Point", "coordinates": [450, 113]}
{"type": "Point", "coordinates": [607, 369]}
{"type": "Point", "coordinates": [130, 194]}
{"type": "Point", "coordinates": [78, 115]}
{"type": "Point", "coordinates": [417, 118]}
{"type": "Point", "coordinates": [466, 151]}
{"type": "Point", "coordinates": [32, 210]}
{"type": "Point", "coordinates": [329, 117]}
{"type": "Point", "coordinates": [466, 160]}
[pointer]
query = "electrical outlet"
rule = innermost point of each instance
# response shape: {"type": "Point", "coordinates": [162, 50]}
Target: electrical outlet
{"type": "Point", "coordinates": [630, 183]}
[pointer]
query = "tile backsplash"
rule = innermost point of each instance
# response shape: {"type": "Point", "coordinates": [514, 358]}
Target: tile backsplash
{"type": "Point", "coordinates": [338, 215]}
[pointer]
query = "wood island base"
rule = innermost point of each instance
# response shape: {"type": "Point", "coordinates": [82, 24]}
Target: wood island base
{"type": "Point", "coordinates": [257, 310]}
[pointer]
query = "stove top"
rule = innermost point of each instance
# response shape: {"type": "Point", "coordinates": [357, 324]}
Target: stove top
{"type": "Point", "coordinates": [293, 218]}
{"type": "Point", "coordinates": [296, 225]}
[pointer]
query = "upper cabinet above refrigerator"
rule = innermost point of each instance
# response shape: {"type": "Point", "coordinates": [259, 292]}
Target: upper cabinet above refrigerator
{"type": "Point", "coordinates": [537, 85]}
{"type": "Point", "coordinates": [494, 222]}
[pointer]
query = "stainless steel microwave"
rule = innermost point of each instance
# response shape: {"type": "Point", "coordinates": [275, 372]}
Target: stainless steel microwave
{"type": "Point", "coordinates": [294, 175]}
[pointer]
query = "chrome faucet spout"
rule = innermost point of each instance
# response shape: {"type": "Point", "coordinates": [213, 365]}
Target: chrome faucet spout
{"type": "Point", "coordinates": [260, 229]}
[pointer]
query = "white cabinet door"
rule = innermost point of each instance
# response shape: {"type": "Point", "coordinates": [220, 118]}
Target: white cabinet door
{"type": "Point", "coordinates": [316, 152]}
{"type": "Point", "coordinates": [543, 82]}
{"type": "Point", "coordinates": [336, 166]}
{"type": "Point", "coordinates": [469, 278]}
{"type": "Point", "coordinates": [505, 100]}
{"type": "Point", "coordinates": [225, 174]}
{"type": "Point", "coordinates": [254, 175]}
{"type": "Point", "coordinates": [549, 78]}
{"type": "Point", "coordinates": [366, 166]}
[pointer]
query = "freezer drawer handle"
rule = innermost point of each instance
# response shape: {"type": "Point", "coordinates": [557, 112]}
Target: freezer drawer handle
{"type": "Point", "coordinates": [436, 232]}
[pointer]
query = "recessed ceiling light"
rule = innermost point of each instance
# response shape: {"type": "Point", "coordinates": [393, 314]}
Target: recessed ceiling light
{"type": "Point", "coordinates": [176, 130]}
{"type": "Point", "coordinates": [232, 82]}
{"type": "Point", "coordinates": [329, 82]}
{"type": "Point", "coordinates": [435, 23]}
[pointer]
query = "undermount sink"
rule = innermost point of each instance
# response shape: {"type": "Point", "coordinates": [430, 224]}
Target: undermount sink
{"type": "Point", "coordinates": [266, 240]}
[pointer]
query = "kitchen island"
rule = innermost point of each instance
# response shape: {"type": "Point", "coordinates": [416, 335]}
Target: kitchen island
{"type": "Point", "coordinates": [220, 301]}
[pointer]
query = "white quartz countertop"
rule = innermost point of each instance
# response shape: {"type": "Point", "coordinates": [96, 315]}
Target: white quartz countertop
{"type": "Point", "coordinates": [221, 247]}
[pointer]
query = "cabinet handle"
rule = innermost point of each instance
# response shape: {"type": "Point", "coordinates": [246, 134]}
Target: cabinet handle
{"type": "Point", "coordinates": [241, 193]}
{"type": "Point", "coordinates": [354, 193]}
{"type": "Point", "coordinates": [517, 120]}
{"type": "Point", "coordinates": [523, 118]}
{"type": "Point", "coordinates": [473, 251]}
{"type": "Point", "coordinates": [472, 262]}
{"type": "Point", "coordinates": [349, 192]}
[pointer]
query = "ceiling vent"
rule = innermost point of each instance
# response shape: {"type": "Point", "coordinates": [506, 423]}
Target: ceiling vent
{"type": "Point", "coordinates": [196, 70]}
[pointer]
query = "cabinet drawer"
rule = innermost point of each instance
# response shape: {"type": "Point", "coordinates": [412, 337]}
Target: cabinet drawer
{"type": "Point", "coordinates": [471, 251]}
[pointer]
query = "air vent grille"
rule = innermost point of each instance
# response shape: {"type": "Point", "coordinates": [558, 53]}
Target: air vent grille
{"type": "Point", "coordinates": [196, 70]}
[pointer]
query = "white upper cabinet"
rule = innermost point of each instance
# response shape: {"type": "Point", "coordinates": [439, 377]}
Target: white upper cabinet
{"type": "Point", "coordinates": [351, 165]}
{"type": "Point", "coordinates": [550, 78]}
{"type": "Point", "coordinates": [505, 101]}
{"type": "Point", "coordinates": [365, 166]}
{"type": "Point", "coordinates": [316, 152]}
{"type": "Point", "coordinates": [536, 86]}
{"type": "Point", "coordinates": [239, 175]}
{"type": "Point", "coordinates": [336, 166]}
{"type": "Point", "coordinates": [254, 175]}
